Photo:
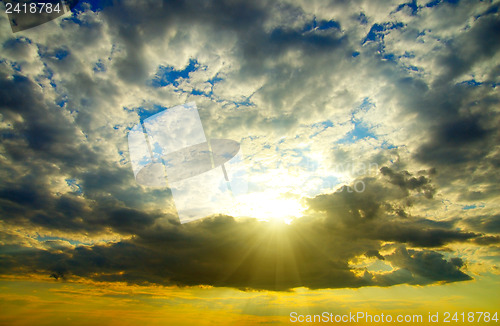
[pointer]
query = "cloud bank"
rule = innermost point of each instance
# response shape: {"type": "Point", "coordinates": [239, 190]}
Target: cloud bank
{"type": "Point", "coordinates": [305, 86]}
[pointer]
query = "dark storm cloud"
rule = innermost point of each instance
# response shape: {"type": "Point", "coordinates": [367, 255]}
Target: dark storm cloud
{"type": "Point", "coordinates": [460, 114]}
{"type": "Point", "coordinates": [312, 252]}
{"type": "Point", "coordinates": [43, 132]}
{"type": "Point", "coordinates": [407, 182]}
{"type": "Point", "coordinates": [422, 267]}
{"type": "Point", "coordinates": [43, 143]}
{"type": "Point", "coordinates": [247, 19]}
{"type": "Point", "coordinates": [487, 224]}
{"type": "Point", "coordinates": [374, 253]}
{"type": "Point", "coordinates": [455, 142]}
{"type": "Point", "coordinates": [488, 240]}
{"type": "Point", "coordinates": [27, 198]}
{"type": "Point", "coordinates": [462, 144]}
{"type": "Point", "coordinates": [459, 117]}
{"type": "Point", "coordinates": [482, 41]}
{"type": "Point", "coordinates": [28, 203]}
{"type": "Point", "coordinates": [370, 215]}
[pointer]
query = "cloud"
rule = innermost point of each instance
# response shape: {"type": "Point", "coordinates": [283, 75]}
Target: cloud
{"type": "Point", "coordinates": [292, 81]}
{"type": "Point", "coordinates": [406, 182]}
{"type": "Point", "coordinates": [314, 251]}
{"type": "Point", "coordinates": [489, 224]}
{"type": "Point", "coordinates": [422, 267]}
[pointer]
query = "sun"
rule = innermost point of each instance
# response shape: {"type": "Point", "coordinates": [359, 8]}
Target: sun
{"type": "Point", "coordinates": [267, 206]}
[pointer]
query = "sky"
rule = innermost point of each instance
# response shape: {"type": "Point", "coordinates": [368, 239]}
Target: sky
{"type": "Point", "coordinates": [369, 139]}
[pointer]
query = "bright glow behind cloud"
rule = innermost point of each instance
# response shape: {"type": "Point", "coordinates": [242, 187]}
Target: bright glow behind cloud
{"type": "Point", "coordinates": [307, 88]}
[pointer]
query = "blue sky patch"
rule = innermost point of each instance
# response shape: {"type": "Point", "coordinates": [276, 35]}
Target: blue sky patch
{"type": "Point", "coordinates": [412, 5]}
{"type": "Point", "coordinates": [60, 54]}
{"type": "Point", "coordinates": [386, 145]}
{"type": "Point", "coordinates": [145, 113]}
{"type": "Point", "coordinates": [16, 66]}
{"type": "Point", "coordinates": [214, 80]}
{"type": "Point", "coordinates": [245, 102]}
{"type": "Point", "coordinates": [198, 92]}
{"type": "Point", "coordinates": [473, 206]}
{"type": "Point", "coordinates": [491, 10]}
{"type": "Point", "coordinates": [471, 82]}
{"type": "Point", "coordinates": [61, 103]}
{"type": "Point", "coordinates": [321, 25]}
{"type": "Point", "coordinates": [74, 185]}
{"type": "Point", "coordinates": [95, 5]}
{"type": "Point", "coordinates": [389, 57]}
{"type": "Point", "coordinates": [437, 2]}
{"type": "Point", "coordinates": [360, 131]}
{"type": "Point", "coordinates": [99, 67]}
{"type": "Point", "coordinates": [378, 31]}
{"type": "Point", "coordinates": [71, 241]}
{"type": "Point", "coordinates": [169, 76]}
{"type": "Point", "coordinates": [320, 127]}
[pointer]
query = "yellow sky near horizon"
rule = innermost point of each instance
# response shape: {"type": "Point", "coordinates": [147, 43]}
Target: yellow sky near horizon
{"type": "Point", "coordinates": [46, 302]}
